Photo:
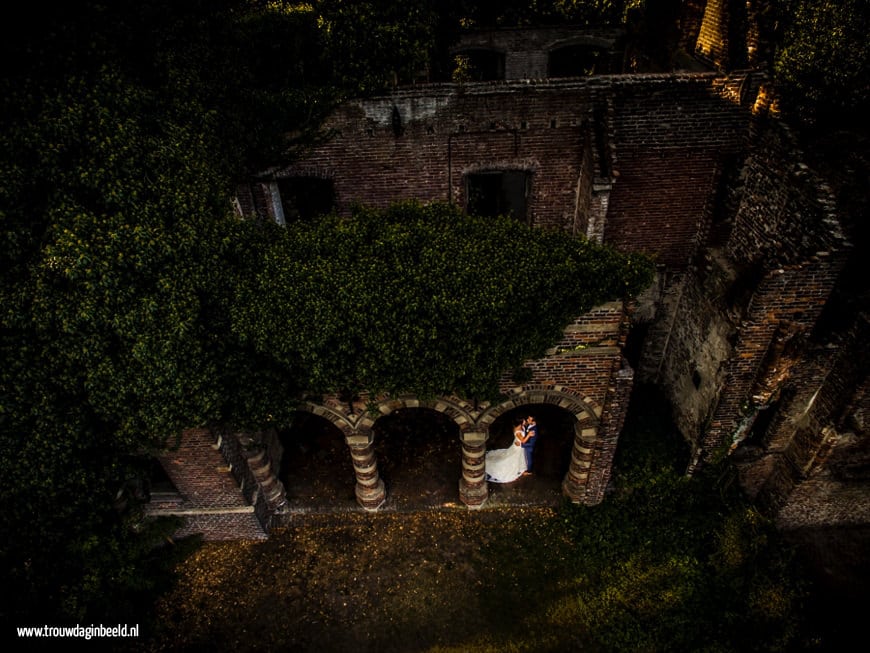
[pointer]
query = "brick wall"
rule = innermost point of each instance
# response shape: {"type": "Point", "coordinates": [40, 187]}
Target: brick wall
{"type": "Point", "coordinates": [810, 465]}
{"type": "Point", "coordinates": [713, 37]}
{"type": "Point", "coordinates": [660, 141]}
{"type": "Point", "coordinates": [713, 342]}
{"type": "Point", "coordinates": [210, 499]}
{"type": "Point", "coordinates": [587, 357]}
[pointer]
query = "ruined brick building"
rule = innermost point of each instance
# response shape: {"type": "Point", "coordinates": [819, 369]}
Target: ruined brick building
{"type": "Point", "coordinates": [691, 167]}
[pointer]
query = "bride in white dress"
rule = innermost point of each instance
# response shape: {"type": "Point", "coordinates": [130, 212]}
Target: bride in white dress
{"type": "Point", "coordinates": [506, 465]}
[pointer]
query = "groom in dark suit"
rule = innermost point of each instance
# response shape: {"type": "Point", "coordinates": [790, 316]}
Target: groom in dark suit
{"type": "Point", "coordinates": [530, 438]}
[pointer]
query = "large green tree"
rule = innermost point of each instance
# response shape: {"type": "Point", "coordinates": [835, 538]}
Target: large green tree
{"type": "Point", "coordinates": [124, 127]}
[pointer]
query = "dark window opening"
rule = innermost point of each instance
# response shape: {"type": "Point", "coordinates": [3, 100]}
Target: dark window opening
{"type": "Point", "coordinates": [158, 480]}
{"type": "Point", "coordinates": [576, 61]}
{"type": "Point", "coordinates": [484, 65]}
{"type": "Point", "coordinates": [305, 198]}
{"type": "Point", "coordinates": [491, 194]}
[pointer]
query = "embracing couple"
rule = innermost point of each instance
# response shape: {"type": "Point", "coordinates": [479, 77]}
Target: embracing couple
{"type": "Point", "coordinates": [506, 465]}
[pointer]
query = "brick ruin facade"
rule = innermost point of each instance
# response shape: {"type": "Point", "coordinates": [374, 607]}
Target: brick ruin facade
{"type": "Point", "coordinates": [688, 167]}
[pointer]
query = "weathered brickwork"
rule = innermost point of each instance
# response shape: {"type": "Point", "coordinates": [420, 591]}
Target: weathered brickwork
{"type": "Point", "coordinates": [688, 167]}
{"type": "Point", "coordinates": [210, 500]}
{"type": "Point", "coordinates": [731, 330]}
{"type": "Point", "coordinates": [633, 159]}
{"type": "Point", "coordinates": [714, 38]}
{"type": "Point", "coordinates": [810, 465]}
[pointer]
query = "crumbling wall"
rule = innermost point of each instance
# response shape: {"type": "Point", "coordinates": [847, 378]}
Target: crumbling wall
{"type": "Point", "coordinates": [733, 328]}
{"type": "Point", "coordinates": [811, 465]}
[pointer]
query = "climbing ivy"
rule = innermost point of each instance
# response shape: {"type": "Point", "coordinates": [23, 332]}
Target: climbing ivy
{"type": "Point", "coordinates": [420, 298]}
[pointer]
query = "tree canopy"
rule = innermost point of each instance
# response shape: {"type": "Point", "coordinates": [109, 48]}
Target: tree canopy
{"type": "Point", "coordinates": [822, 62]}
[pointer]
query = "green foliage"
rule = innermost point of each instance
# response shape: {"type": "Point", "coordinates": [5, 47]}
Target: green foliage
{"type": "Point", "coordinates": [376, 44]}
{"type": "Point", "coordinates": [513, 13]}
{"type": "Point", "coordinates": [823, 62]}
{"type": "Point", "coordinates": [125, 126]}
{"type": "Point", "coordinates": [134, 306]}
{"type": "Point", "coordinates": [419, 298]}
{"type": "Point", "coordinates": [669, 562]}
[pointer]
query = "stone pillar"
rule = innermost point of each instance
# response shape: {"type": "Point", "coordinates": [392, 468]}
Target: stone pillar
{"type": "Point", "coordinates": [370, 490]}
{"type": "Point", "coordinates": [574, 484]}
{"type": "Point", "coordinates": [256, 453]}
{"type": "Point", "coordinates": [473, 490]}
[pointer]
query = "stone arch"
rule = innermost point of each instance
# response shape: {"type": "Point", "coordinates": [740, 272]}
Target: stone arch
{"type": "Point", "coordinates": [455, 408]}
{"type": "Point", "coordinates": [345, 423]}
{"type": "Point", "coordinates": [472, 484]}
{"type": "Point", "coordinates": [357, 430]}
{"type": "Point", "coordinates": [587, 415]}
{"type": "Point", "coordinates": [315, 463]}
{"type": "Point", "coordinates": [585, 409]}
{"type": "Point", "coordinates": [418, 446]}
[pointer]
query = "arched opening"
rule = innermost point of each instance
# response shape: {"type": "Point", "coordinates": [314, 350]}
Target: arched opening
{"type": "Point", "coordinates": [550, 459]}
{"type": "Point", "coordinates": [419, 457]}
{"type": "Point", "coordinates": [483, 65]}
{"type": "Point", "coordinates": [578, 60]}
{"type": "Point", "coordinates": [316, 467]}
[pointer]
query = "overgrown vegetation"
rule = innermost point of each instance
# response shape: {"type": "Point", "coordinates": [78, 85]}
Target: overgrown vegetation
{"type": "Point", "coordinates": [822, 62]}
{"type": "Point", "coordinates": [420, 299]}
{"type": "Point", "coordinates": [129, 305]}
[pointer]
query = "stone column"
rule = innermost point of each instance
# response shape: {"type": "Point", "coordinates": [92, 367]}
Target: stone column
{"type": "Point", "coordinates": [261, 466]}
{"type": "Point", "coordinates": [370, 490]}
{"type": "Point", "coordinates": [574, 484]}
{"type": "Point", "coordinates": [473, 490]}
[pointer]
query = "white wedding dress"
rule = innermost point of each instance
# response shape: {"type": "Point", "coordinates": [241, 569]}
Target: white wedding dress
{"type": "Point", "coordinates": [505, 465]}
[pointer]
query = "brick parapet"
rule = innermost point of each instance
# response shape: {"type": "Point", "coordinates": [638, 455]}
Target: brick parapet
{"type": "Point", "coordinates": [585, 357]}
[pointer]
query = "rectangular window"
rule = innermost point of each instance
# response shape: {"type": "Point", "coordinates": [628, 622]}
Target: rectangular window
{"type": "Point", "coordinates": [304, 198]}
{"type": "Point", "coordinates": [499, 192]}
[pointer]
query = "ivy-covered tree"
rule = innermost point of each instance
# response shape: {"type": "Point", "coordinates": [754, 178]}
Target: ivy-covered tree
{"type": "Point", "coordinates": [124, 127]}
